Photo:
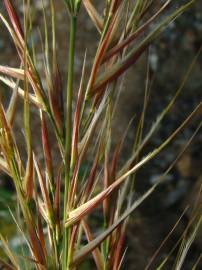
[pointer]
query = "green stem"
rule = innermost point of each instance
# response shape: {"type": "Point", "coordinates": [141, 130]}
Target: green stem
{"type": "Point", "coordinates": [68, 139]}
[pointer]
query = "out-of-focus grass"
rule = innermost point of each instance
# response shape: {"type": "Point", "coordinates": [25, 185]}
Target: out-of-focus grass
{"type": "Point", "coordinates": [55, 201]}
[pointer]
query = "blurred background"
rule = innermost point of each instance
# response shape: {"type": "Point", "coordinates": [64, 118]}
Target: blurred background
{"type": "Point", "coordinates": [168, 58]}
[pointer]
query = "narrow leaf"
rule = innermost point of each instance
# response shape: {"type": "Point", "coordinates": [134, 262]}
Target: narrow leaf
{"type": "Point", "coordinates": [81, 211]}
{"type": "Point", "coordinates": [80, 255]}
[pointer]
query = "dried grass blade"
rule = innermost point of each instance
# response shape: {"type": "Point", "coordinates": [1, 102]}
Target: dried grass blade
{"type": "Point", "coordinates": [17, 42]}
{"type": "Point", "coordinates": [17, 73]}
{"type": "Point", "coordinates": [9, 253]}
{"type": "Point", "coordinates": [80, 255]}
{"type": "Point", "coordinates": [163, 113]}
{"type": "Point", "coordinates": [195, 267]}
{"type": "Point", "coordinates": [126, 42]}
{"type": "Point", "coordinates": [165, 239]}
{"type": "Point", "coordinates": [106, 182]}
{"type": "Point", "coordinates": [118, 257]}
{"type": "Point", "coordinates": [12, 105]}
{"type": "Point", "coordinates": [29, 174]}
{"type": "Point", "coordinates": [81, 211]}
{"type": "Point", "coordinates": [6, 265]}
{"type": "Point", "coordinates": [14, 18]}
{"type": "Point", "coordinates": [188, 244]}
{"type": "Point", "coordinates": [20, 229]}
{"type": "Point", "coordinates": [101, 51]}
{"type": "Point", "coordinates": [4, 166]}
{"type": "Point", "coordinates": [77, 116]}
{"type": "Point", "coordinates": [95, 17]}
{"type": "Point", "coordinates": [91, 128]}
{"type": "Point", "coordinates": [96, 253]}
{"type": "Point", "coordinates": [47, 151]}
{"type": "Point", "coordinates": [57, 203]}
{"type": "Point", "coordinates": [21, 92]}
{"type": "Point", "coordinates": [37, 249]}
{"type": "Point", "coordinates": [115, 5]}
{"type": "Point", "coordinates": [48, 206]}
{"type": "Point", "coordinates": [118, 69]}
{"type": "Point", "coordinates": [56, 98]}
{"type": "Point", "coordinates": [41, 233]}
{"type": "Point", "coordinates": [28, 180]}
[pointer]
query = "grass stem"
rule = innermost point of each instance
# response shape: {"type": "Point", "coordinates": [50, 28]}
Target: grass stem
{"type": "Point", "coordinates": [68, 138]}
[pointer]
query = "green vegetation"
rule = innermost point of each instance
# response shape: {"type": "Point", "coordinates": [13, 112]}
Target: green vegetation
{"type": "Point", "coordinates": [56, 195]}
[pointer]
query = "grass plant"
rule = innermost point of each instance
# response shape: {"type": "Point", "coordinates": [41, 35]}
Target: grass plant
{"type": "Point", "coordinates": [56, 200]}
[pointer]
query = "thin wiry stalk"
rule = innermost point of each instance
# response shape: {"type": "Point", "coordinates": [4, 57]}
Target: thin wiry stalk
{"type": "Point", "coordinates": [88, 168]}
{"type": "Point", "coordinates": [68, 138]}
